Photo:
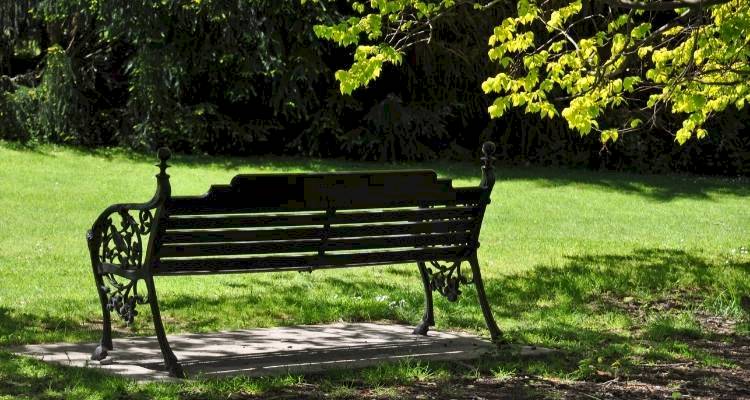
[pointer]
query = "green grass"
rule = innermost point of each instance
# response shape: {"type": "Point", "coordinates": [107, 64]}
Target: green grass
{"type": "Point", "coordinates": [574, 260]}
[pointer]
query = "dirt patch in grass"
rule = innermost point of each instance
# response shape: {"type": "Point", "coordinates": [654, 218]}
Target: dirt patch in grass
{"type": "Point", "coordinates": [652, 382]}
{"type": "Point", "coordinates": [723, 373]}
{"type": "Point", "coordinates": [687, 380]}
{"type": "Point", "coordinates": [675, 381]}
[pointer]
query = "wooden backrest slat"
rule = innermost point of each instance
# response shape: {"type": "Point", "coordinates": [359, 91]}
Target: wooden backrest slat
{"type": "Point", "coordinates": [340, 231]}
{"type": "Point", "coordinates": [300, 246]}
{"type": "Point", "coordinates": [317, 218]}
{"type": "Point", "coordinates": [241, 235]}
{"type": "Point", "coordinates": [229, 265]}
{"type": "Point", "coordinates": [400, 228]}
{"type": "Point", "coordinates": [246, 221]}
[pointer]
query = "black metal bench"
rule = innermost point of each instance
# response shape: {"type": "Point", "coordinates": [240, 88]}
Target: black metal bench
{"type": "Point", "coordinates": [290, 222]}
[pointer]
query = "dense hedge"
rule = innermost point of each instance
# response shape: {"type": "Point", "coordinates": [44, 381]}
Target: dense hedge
{"type": "Point", "coordinates": [250, 77]}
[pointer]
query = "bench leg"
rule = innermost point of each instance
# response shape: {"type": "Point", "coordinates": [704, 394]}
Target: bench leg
{"type": "Point", "coordinates": [105, 345]}
{"type": "Point", "coordinates": [428, 319]}
{"type": "Point", "coordinates": [495, 333]}
{"type": "Point", "coordinates": [170, 360]}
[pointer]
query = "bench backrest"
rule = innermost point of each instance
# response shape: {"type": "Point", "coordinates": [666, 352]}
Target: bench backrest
{"type": "Point", "coordinates": [267, 222]}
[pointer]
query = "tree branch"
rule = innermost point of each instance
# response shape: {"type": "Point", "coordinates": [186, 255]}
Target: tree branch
{"type": "Point", "coordinates": [660, 5]}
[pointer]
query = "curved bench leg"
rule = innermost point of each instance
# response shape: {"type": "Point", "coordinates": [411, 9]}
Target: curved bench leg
{"type": "Point", "coordinates": [495, 333]}
{"type": "Point", "coordinates": [428, 319]}
{"type": "Point", "coordinates": [170, 360]}
{"type": "Point", "coordinates": [105, 345]}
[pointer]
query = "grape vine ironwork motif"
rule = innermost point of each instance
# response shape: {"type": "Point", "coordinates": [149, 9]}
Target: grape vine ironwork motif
{"type": "Point", "coordinates": [123, 297]}
{"type": "Point", "coordinates": [447, 279]}
{"type": "Point", "coordinates": [122, 245]}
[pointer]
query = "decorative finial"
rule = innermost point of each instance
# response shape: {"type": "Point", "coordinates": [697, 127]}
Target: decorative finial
{"type": "Point", "coordinates": [488, 151]}
{"type": "Point", "coordinates": [164, 154]}
{"type": "Point", "coordinates": [488, 169]}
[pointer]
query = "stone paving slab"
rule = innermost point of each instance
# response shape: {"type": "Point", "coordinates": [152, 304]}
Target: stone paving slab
{"type": "Point", "coordinates": [269, 351]}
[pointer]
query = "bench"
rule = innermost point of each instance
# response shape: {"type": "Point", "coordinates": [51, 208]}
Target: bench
{"type": "Point", "coordinates": [290, 222]}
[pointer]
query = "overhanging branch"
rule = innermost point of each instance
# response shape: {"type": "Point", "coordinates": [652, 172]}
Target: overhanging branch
{"type": "Point", "coordinates": [659, 5]}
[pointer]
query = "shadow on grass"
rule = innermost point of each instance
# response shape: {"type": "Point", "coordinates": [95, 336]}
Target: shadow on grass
{"type": "Point", "coordinates": [25, 377]}
{"type": "Point", "coordinates": [22, 377]}
{"type": "Point", "coordinates": [22, 328]}
{"type": "Point", "coordinates": [653, 187]}
{"type": "Point", "coordinates": [597, 309]}
{"type": "Point", "coordinates": [594, 309]}
{"type": "Point", "coordinates": [331, 299]}
{"type": "Point", "coordinates": [583, 279]}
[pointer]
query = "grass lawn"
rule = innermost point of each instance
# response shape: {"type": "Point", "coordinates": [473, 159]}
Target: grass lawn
{"type": "Point", "coordinates": [623, 274]}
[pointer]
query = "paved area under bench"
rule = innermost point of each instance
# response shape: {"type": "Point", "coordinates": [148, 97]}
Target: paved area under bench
{"type": "Point", "coordinates": [298, 349]}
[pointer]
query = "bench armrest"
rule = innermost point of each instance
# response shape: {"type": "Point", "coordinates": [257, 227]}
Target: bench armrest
{"type": "Point", "coordinates": [115, 209]}
{"type": "Point", "coordinates": [116, 238]}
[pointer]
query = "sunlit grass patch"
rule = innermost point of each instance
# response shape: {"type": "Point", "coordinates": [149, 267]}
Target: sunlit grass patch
{"type": "Point", "coordinates": [673, 326]}
{"type": "Point", "coordinates": [679, 352]}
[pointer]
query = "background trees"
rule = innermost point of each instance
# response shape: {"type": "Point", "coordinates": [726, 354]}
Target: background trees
{"type": "Point", "coordinates": [201, 76]}
{"type": "Point", "coordinates": [253, 77]}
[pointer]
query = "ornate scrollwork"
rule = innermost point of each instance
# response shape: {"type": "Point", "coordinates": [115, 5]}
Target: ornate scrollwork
{"type": "Point", "coordinates": [123, 297]}
{"type": "Point", "coordinates": [447, 279]}
{"type": "Point", "coordinates": [122, 245]}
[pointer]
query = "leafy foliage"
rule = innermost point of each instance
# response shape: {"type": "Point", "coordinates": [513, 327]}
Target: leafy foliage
{"type": "Point", "coordinates": [393, 130]}
{"type": "Point", "coordinates": [591, 62]}
{"type": "Point", "coordinates": [178, 72]}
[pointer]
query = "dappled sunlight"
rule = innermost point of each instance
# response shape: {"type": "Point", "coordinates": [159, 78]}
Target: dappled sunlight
{"type": "Point", "coordinates": [270, 351]}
